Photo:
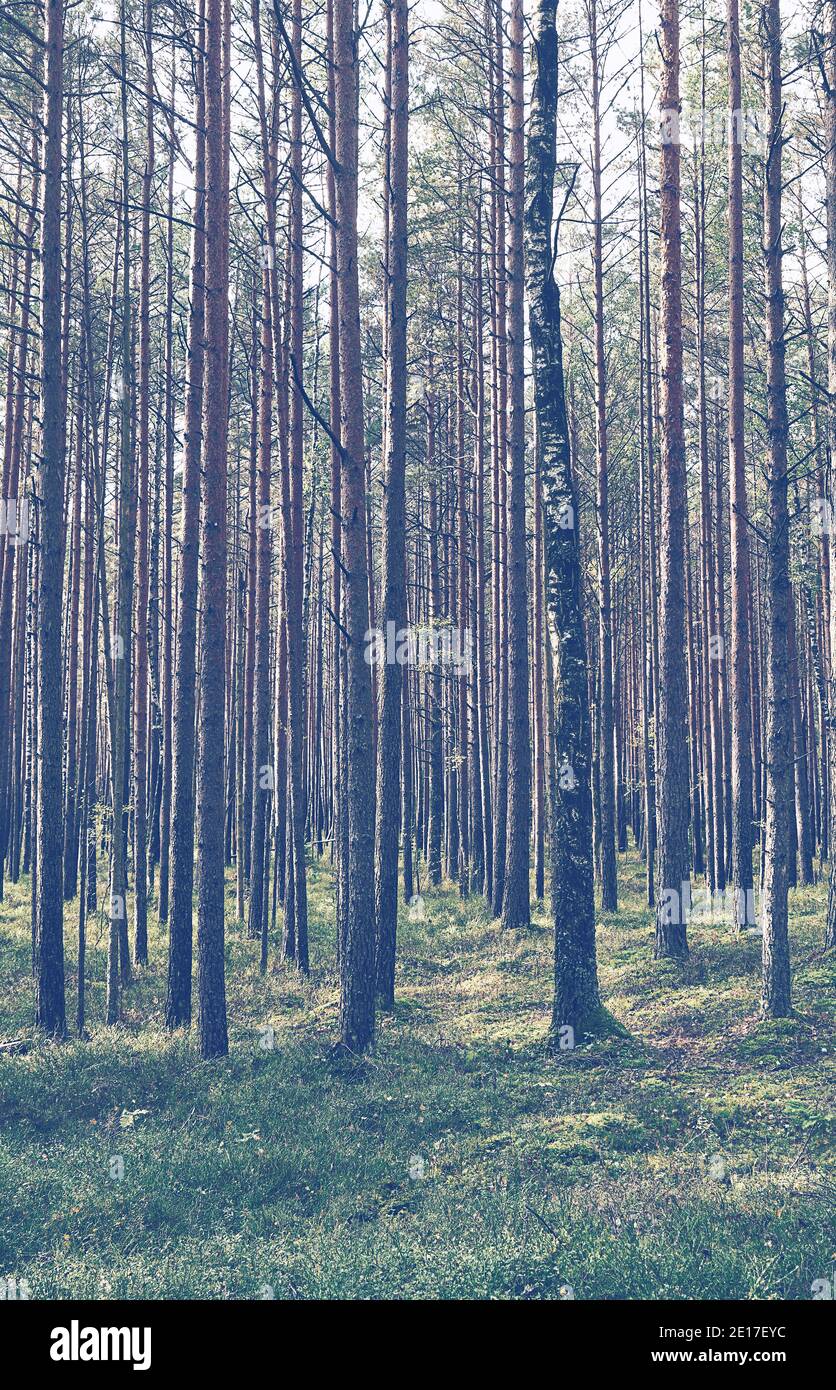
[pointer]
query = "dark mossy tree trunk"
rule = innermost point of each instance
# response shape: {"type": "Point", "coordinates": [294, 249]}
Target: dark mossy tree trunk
{"type": "Point", "coordinates": [576, 997]}
{"type": "Point", "coordinates": [673, 809]}
{"type": "Point", "coordinates": [774, 915]}
{"type": "Point", "coordinates": [392, 682]}
{"type": "Point", "coordinates": [50, 1009]}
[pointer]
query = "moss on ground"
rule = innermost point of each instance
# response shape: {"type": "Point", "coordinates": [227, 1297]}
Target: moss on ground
{"type": "Point", "coordinates": [688, 1152]}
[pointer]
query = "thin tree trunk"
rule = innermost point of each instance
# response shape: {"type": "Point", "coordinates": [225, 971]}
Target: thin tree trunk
{"type": "Point", "coordinates": [742, 763]}
{"type": "Point", "coordinates": [357, 983]}
{"type": "Point", "coordinates": [776, 955]}
{"type": "Point", "coordinates": [392, 683]}
{"type": "Point", "coordinates": [211, 780]}
{"type": "Point", "coordinates": [830, 184]}
{"type": "Point", "coordinates": [179, 995]}
{"type": "Point", "coordinates": [609, 884]}
{"type": "Point", "coordinates": [168, 541]}
{"type": "Point", "coordinates": [672, 716]}
{"type": "Point", "coordinates": [118, 954]}
{"type": "Point", "coordinates": [515, 900]}
{"type": "Point", "coordinates": [296, 907]}
{"type": "Point", "coordinates": [143, 466]}
{"type": "Point", "coordinates": [50, 1010]}
{"type": "Point", "coordinates": [262, 775]}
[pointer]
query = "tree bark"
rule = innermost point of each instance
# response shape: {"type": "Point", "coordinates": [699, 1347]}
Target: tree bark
{"type": "Point", "coordinates": [776, 954]}
{"type": "Point", "coordinates": [516, 907]}
{"type": "Point", "coordinates": [576, 998]}
{"type": "Point", "coordinates": [393, 609]}
{"type": "Point", "coordinates": [830, 184]}
{"type": "Point", "coordinates": [672, 717]}
{"type": "Point", "coordinates": [357, 983]}
{"type": "Point", "coordinates": [609, 884]}
{"type": "Point", "coordinates": [211, 781]}
{"type": "Point", "coordinates": [50, 1009]}
{"type": "Point", "coordinates": [179, 993]}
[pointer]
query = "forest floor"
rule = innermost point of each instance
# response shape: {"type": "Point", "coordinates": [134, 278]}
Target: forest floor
{"type": "Point", "coordinates": [689, 1154]}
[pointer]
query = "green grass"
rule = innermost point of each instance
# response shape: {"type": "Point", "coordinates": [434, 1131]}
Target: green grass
{"type": "Point", "coordinates": [688, 1154]}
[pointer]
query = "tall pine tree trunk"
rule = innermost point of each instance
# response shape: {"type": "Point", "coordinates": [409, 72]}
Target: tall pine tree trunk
{"type": "Point", "coordinates": [357, 983]}
{"type": "Point", "coordinates": [515, 901]}
{"type": "Point", "coordinates": [392, 692]}
{"type": "Point", "coordinates": [609, 886]}
{"type": "Point", "coordinates": [576, 998]}
{"type": "Point", "coordinates": [49, 899]}
{"type": "Point", "coordinates": [211, 783]}
{"type": "Point", "coordinates": [776, 955]}
{"type": "Point", "coordinates": [179, 996]}
{"type": "Point", "coordinates": [830, 183]}
{"type": "Point", "coordinates": [672, 713]}
{"type": "Point", "coordinates": [140, 710]}
{"type": "Point", "coordinates": [742, 770]}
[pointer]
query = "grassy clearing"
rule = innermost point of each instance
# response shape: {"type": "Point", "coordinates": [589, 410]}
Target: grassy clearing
{"type": "Point", "coordinates": [689, 1155]}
